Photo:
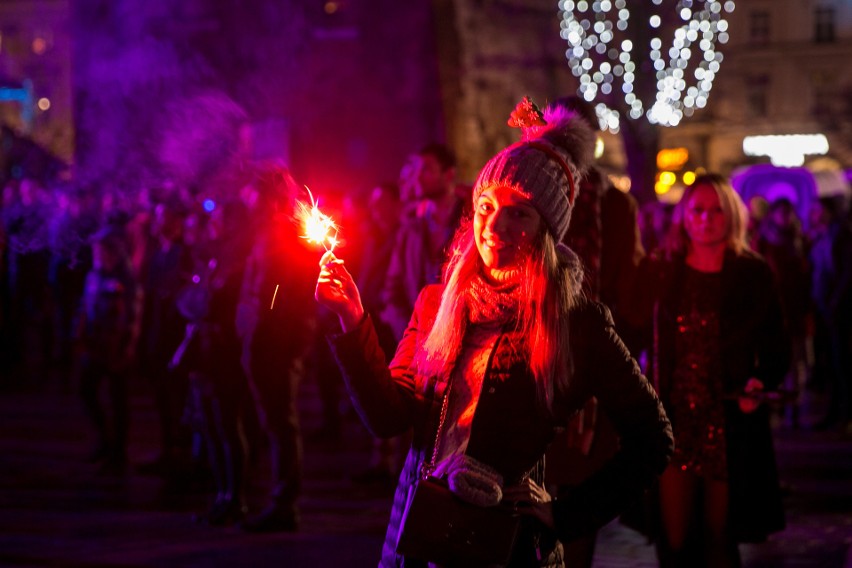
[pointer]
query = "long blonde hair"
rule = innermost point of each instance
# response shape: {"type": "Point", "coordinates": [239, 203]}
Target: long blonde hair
{"type": "Point", "coordinates": [676, 242]}
{"type": "Point", "coordinates": [549, 290]}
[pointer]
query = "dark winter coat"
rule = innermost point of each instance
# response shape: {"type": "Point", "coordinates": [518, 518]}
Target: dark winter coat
{"type": "Point", "coordinates": [753, 343]}
{"type": "Point", "coordinates": [276, 312]}
{"type": "Point", "coordinates": [510, 431]}
{"type": "Point", "coordinates": [413, 265]}
{"type": "Point", "coordinates": [109, 316]}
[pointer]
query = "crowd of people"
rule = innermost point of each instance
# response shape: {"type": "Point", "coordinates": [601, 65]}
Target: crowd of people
{"type": "Point", "coordinates": [479, 329]}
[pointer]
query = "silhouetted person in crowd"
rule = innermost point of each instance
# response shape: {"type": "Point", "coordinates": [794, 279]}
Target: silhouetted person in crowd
{"type": "Point", "coordinates": [821, 216]}
{"type": "Point", "coordinates": [385, 211]}
{"type": "Point", "coordinates": [780, 241]}
{"type": "Point", "coordinates": [654, 220]}
{"type": "Point", "coordinates": [108, 331]}
{"type": "Point", "coordinates": [276, 320]}
{"type": "Point", "coordinates": [605, 235]}
{"type": "Point", "coordinates": [757, 207]}
{"type": "Point", "coordinates": [28, 260]}
{"type": "Point", "coordinates": [211, 353]}
{"type": "Point", "coordinates": [70, 261]}
{"type": "Point", "coordinates": [418, 257]}
{"type": "Point", "coordinates": [831, 256]}
{"type": "Point", "coordinates": [168, 270]}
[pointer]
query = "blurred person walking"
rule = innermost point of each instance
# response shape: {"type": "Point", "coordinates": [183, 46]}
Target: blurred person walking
{"type": "Point", "coordinates": [168, 269]}
{"type": "Point", "coordinates": [108, 329]}
{"type": "Point", "coordinates": [716, 339]}
{"type": "Point", "coordinates": [831, 256]}
{"type": "Point", "coordinates": [276, 320]}
{"type": "Point", "coordinates": [211, 353]}
{"type": "Point", "coordinates": [385, 211]}
{"type": "Point", "coordinates": [604, 233]}
{"type": "Point", "coordinates": [781, 242]}
{"type": "Point", "coordinates": [422, 238]}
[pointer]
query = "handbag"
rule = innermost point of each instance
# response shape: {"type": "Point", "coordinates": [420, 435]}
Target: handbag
{"type": "Point", "coordinates": [437, 526]}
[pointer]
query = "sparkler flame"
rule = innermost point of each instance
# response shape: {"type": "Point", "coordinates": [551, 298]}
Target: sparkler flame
{"type": "Point", "coordinates": [317, 227]}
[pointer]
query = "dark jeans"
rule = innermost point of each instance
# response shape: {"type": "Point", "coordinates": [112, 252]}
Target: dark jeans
{"type": "Point", "coordinates": [93, 371]}
{"type": "Point", "coordinates": [274, 383]}
{"type": "Point", "coordinates": [220, 390]}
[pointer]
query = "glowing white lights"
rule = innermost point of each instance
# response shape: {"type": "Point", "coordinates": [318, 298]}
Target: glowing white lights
{"type": "Point", "coordinates": [786, 150]}
{"type": "Point", "coordinates": [601, 47]}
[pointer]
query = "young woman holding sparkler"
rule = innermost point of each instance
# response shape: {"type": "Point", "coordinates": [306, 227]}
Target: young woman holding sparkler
{"type": "Point", "coordinates": [503, 353]}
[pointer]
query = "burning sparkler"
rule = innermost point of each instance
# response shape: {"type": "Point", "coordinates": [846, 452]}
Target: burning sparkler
{"type": "Point", "coordinates": [317, 227]}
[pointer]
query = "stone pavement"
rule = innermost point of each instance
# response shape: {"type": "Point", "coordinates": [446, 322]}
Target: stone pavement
{"type": "Point", "coordinates": [57, 510]}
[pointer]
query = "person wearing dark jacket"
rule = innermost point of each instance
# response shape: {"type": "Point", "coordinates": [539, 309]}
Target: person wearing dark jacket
{"type": "Point", "coordinates": [504, 352]}
{"type": "Point", "coordinates": [716, 337]}
{"type": "Point", "coordinates": [276, 293]}
{"type": "Point", "coordinates": [423, 236]}
{"type": "Point", "coordinates": [108, 329]}
{"type": "Point", "coordinates": [167, 272]}
{"type": "Point", "coordinates": [604, 232]}
{"type": "Point", "coordinates": [211, 352]}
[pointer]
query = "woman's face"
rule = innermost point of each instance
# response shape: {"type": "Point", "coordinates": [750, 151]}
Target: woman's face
{"type": "Point", "coordinates": [704, 220]}
{"type": "Point", "coordinates": [505, 225]}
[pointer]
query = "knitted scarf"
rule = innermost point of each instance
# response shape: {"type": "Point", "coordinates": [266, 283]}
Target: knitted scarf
{"type": "Point", "coordinates": [493, 303]}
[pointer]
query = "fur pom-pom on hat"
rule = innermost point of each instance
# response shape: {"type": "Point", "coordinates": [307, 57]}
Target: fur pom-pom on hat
{"type": "Point", "coordinates": [546, 166]}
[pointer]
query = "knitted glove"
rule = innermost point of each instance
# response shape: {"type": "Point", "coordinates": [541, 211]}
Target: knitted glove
{"type": "Point", "coordinates": [475, 482]}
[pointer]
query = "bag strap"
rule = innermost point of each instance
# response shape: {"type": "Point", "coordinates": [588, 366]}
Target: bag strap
{"type": "Point", "coordinates": [427, 467]}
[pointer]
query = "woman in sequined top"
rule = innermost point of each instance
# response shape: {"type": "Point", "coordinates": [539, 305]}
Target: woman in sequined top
{"type": "Point", "coordinates": [715, 333]}
{"type": "Point", "coordinates": [506, 350]}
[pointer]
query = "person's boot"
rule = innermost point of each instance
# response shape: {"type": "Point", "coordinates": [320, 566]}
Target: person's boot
{"type": "Point", "coordinates": [223, 512]}
{"type": "Point", "coordinates": [274, 518]}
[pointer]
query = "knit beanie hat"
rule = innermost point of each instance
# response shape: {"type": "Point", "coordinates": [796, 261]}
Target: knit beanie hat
{"type": "Point", "coordinates": [546, 165]}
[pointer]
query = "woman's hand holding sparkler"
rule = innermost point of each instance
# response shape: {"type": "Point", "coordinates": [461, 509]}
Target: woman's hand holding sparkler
{"type": "Point", "coordinates": [336, 290]}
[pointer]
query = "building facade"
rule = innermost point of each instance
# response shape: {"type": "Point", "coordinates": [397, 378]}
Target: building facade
{"type": "Point", "coordinates": [787, 71]}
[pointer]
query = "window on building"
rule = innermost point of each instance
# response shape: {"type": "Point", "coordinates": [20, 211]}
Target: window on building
{"type": "Point", "coordinates": [759, 28]}
{"type": "Point", "coordinates": [757, 95]}
{"type": "Point", "coordinates": [823, 99]}
{"type": "Point", "coordinates": [824, 24]}
{"type": "Point", "coordinates": [823, 94]}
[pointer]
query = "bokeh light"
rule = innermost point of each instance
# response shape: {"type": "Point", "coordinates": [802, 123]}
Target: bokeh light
{"type": "Point", "coordinates": [600, 43]}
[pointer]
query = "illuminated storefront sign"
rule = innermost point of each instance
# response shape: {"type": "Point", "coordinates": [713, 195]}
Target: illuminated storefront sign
{"type": "Point", "coordinates": [786, 150]}
{"type": "Point", "coordinates": [672, 158]}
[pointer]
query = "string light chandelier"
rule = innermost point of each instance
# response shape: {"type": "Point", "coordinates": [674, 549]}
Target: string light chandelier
{"type": "Point", "coordinates": [599, 34]}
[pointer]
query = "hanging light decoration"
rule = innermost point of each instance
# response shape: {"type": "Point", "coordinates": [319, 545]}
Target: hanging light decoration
{"type": "Point", "coordinates": [601, 48]}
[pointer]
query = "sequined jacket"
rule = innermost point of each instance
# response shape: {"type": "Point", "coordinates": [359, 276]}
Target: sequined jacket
{"type": "Point", "coordinates": [509, 430]}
